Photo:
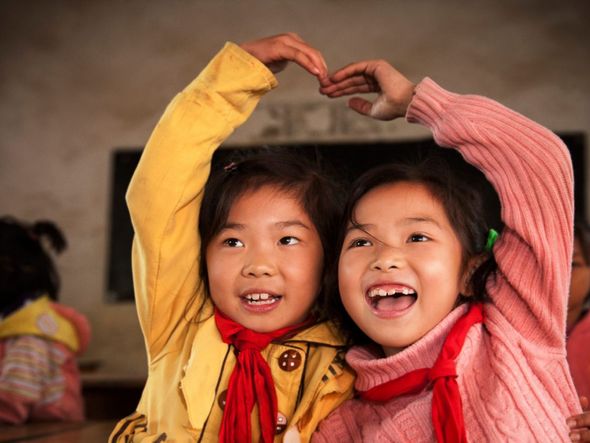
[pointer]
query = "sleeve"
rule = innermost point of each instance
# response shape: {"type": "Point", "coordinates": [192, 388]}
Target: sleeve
{"type": "Point", "coordinates": [165, 192]}
{"type": "Point", "coordinates": [531, 170]}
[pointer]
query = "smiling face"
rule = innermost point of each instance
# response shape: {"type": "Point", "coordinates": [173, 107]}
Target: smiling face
{"type": "Point", "coordinates": [265, 264]}
{"type": "Point", "coordinates": [400, 268]}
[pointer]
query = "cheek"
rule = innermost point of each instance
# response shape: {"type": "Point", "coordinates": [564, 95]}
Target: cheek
{"type": "Point", "coordinates": [304, 269]}
{"type": "Point", "coordinates": [316, 267]}
{"type": "Point", "coordinates": [443, 271]}
{"type": "Point", "coordinates": [348, 278]}
{"type": "Point", "coordinates": [218, 270]}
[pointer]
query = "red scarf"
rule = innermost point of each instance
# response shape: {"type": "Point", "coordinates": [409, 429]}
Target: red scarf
{"type": "Point", "coordinates": [447, 413]}
{"type": "Point", "coordinates": [250, 382]}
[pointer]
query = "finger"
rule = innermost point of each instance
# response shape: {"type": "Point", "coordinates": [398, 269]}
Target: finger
{"type": "Point", "coordinates": [311, 53]}
{"type": "Point", "coordinates": [303, 59]}
{"type": "Point", "coordinates": [579, 421]}
{"type": "Point", "coordinates": [294, 40]}
{"type": "Point", "coordinates": [580, 436]}
{"type": "Point", "coordinates": [360, 105]}
{"type": "Point", "coordinates": [352, 85]}
{"type": "Point", "coordinates": [346, 83]}
{"type": "Point", "coordinates": [360, 89]}
{"type": "Point", "coordinates": [359, 68]}
{"type": "Point", "coordinates": [325, 82]}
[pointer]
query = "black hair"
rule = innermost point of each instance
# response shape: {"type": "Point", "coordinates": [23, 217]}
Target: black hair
{"type": "Point", "coordinates": [306, 178]}
{"type": "Point", "coordinates": [582, 234]}
{"type": "Point", "coordinates": [26, 266]}
{"type": "Point", "coordinates": [470, 202]}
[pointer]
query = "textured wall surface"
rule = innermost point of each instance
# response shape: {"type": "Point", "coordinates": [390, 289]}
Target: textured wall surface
{"type": "Point", "coordinates": [79, 79]}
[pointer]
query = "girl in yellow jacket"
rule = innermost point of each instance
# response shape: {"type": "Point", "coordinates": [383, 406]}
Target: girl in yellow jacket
{"type": "Point", "coordinates": [238, 344]}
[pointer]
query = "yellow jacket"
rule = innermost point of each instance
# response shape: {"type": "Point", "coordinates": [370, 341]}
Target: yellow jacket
{"type": "Point", "coordinates": [189, 365]}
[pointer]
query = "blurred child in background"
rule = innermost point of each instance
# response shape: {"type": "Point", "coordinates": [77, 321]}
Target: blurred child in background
{"type": "Point", "coordinates": [578, 327]}
{"type": "Point", "coordinates": [39, 338]}
{"type": "Point", "coordinates": [578, 320]}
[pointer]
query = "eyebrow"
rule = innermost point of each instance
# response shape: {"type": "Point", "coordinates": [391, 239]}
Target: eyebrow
{"type": "Point", "coordinates": [406, 221]}
{"type": "Point", "coordinates": [412, 220]}
{"type": "Point", "coordinates": [290, 223]}
{"type": "Point", "coordinates": [360, 227]}
{"type": "Point", "coordinates": [281, 225]}
{"type": "Point", "coordinates": [235, 226]}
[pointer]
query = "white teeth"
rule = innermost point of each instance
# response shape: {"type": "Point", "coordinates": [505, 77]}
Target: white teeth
{"type": "Point", "coordinates": [262, 298]}
{"type": "Point", "coordinates": [383, 293]}
{"type": "Point", "coordinates": [262, 302]}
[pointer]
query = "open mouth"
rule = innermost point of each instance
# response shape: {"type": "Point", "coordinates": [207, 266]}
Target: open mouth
{"type": "Point", "coordinates": [391, 299]}
{"type": "Point", "coordinates": [261, 299]}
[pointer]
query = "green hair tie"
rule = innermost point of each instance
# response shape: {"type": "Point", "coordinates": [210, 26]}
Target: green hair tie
{"type": "Point", "coordinates": [492, 237]}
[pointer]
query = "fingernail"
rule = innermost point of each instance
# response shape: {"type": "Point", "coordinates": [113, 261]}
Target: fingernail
{"type": "Point", "coordinates": [575, 437]}
{"type": "Point", "coordinates": [571, 423]}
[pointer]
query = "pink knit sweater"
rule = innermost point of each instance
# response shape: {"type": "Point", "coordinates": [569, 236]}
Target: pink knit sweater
{"type": "Point", "coordinates": [513, 375]}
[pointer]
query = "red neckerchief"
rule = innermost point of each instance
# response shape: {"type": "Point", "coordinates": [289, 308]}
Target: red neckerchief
{"type": "Point", "coordinates": [250, 381]}
{"type": "Point", "coordinates": [447, 413]}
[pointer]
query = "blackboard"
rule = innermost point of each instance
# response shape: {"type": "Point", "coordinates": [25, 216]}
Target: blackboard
{"type": "Point", "coordinates": [347, 159]}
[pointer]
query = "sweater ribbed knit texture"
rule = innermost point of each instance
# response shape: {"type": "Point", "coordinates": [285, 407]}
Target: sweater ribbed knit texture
{"type": "Point", "coordinates": [512, 371]}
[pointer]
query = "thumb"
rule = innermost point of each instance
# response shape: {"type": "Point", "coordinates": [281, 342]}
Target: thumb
{"type": "Point", "coordinates": [360, 105]}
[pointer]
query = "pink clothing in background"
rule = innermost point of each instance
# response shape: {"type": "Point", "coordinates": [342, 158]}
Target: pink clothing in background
{"type": "Point", "coordinates": [512, 371]}
{"type": "Point", "coordinates": [39, 377]}
{"type": "Point", "coordinates": [578, 356]}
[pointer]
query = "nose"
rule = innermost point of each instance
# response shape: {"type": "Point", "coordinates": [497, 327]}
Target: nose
{"type": "Point", "coordinates": [387, 258]}
{"type": "Point", "coordinates": [259, 263]}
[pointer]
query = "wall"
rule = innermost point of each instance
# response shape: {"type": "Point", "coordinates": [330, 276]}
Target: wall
{"type": "Point", "coordinates": [78, 79]}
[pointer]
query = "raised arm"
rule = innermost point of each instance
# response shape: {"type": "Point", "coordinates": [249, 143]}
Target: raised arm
{"type": "Point", "coordinates": [165, 192]}
{"type": "Point", "coordinates": [528, 166]}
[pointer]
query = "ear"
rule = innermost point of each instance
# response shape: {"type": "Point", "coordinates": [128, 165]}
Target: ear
{"type": "Point", "coordinates": [473, 263]}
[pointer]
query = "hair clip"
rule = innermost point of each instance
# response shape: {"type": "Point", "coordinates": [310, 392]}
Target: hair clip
{"type": "Point", "coordinates": [492, 237]}
{"type": "Point", "coordinates": [231, 166]}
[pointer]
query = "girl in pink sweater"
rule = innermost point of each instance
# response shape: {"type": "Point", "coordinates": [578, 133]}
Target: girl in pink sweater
{"type": "Point", "coordinates": [468, 336]}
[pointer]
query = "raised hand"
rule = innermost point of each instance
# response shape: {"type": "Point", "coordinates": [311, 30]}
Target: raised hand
{"type": "Point", "coordinates": [276, 51]}
{"type": "Point", "coordinates": [580, 424]}
{"type": "Point", "coordinates": [371, 76]}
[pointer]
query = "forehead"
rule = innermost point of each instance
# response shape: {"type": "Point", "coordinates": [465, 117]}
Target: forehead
{"type": "Point", "coordinates": [400, 200]}
{"type": "Point", "coordinates": [268, 201]}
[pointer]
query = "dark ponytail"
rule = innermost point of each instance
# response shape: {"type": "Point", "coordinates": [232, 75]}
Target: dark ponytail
{"type": "Point", "coordinates": [26, 266]}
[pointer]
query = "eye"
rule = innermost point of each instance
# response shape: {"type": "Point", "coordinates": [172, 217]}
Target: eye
{"type": "Point", "coordinates": [289, 240]}
{"type": "Point", "coordinates": [415, 238]}
{"type": "Point", "coordinates": [359, 243]}
{"type": "Point", "coordinates": [233, 243]}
